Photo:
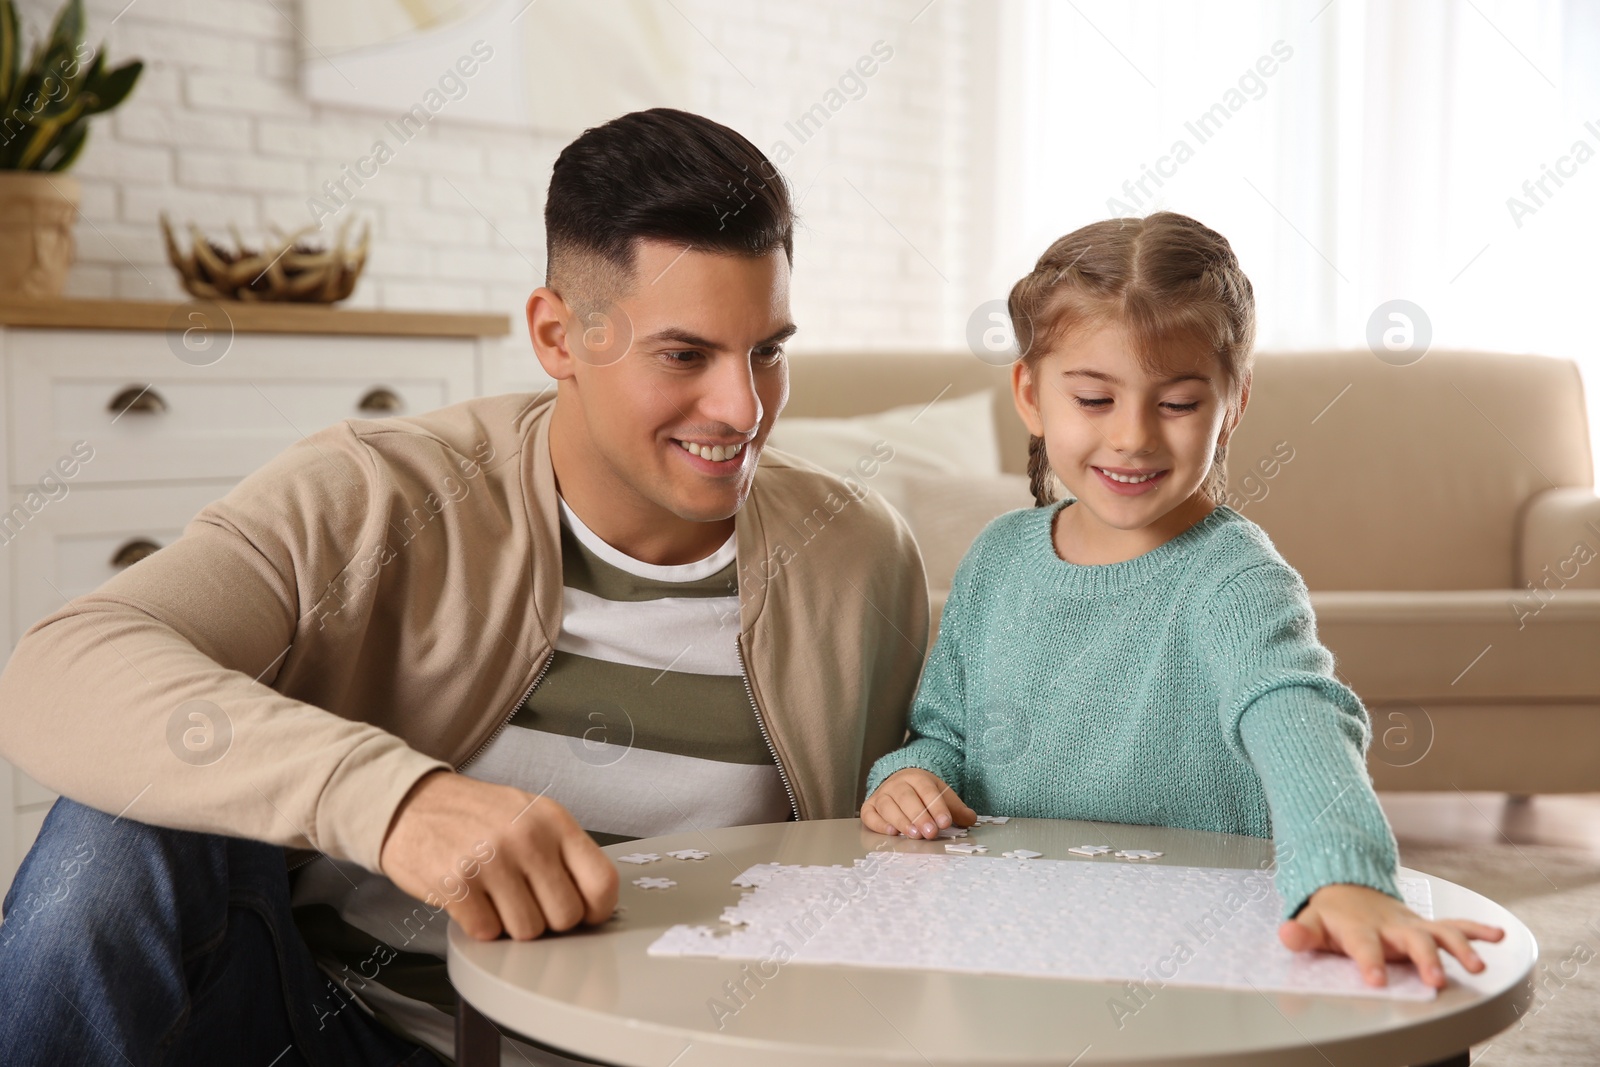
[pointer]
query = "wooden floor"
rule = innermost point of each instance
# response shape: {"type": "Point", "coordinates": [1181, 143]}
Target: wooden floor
{"type": "Point", "coordinates": [1467, 819]}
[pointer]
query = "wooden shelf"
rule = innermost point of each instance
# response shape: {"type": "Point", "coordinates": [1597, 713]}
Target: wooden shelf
{"type": "Point", "coordinates": [251, 318]}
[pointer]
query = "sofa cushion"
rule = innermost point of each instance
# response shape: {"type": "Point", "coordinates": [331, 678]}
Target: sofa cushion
{"type": "Point", "coordinates": [835, 384]}
{"type": "Point", "coordinates": [1473, 646]}
{"type": "Point", "coordinates": [1405, 477]}
{"type": "Point", "coordinates": [1512, 747]}
{"type": "Point", "coordinates": [947, 514]}
{"type": "Point", "coordinates": [955, 437]}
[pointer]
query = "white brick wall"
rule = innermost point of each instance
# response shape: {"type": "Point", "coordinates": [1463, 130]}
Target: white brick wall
{"type": "Point", "coordinates": [218, 132]}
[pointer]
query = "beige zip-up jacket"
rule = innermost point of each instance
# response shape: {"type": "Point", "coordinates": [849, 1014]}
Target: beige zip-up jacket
{"type": "Point", "coordinates": [373, 603]}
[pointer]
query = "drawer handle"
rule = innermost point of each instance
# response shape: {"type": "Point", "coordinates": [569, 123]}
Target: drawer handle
{"type": "Point", "coordinates": [132, 552]}
{"type": "Point", "coordinates": [381, 401]}
{"type": "Point", "coordinates": [140, 399]}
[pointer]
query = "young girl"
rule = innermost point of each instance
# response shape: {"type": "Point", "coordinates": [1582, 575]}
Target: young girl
{"type": "Point", "coordinates": [1140, 653]}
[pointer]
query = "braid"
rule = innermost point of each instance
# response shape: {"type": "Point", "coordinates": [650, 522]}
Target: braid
{"type": "Point", "coordinates": [1039, 474]}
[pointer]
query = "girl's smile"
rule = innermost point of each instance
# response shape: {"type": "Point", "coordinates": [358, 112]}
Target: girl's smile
{"type": "Point", "coordinates": [1133, 443]}
{"type": "Point", "coordinates": [1130, 481]}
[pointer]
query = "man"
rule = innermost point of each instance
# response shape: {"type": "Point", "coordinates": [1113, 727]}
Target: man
{"type": "Point", "coordinates": [439, 649]}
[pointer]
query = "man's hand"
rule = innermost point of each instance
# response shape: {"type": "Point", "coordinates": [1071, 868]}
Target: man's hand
{"type": "Point", "coordinates": [498, 859]}
{"type": "Point", "coordinates": [915, 803]}
{"type": "Point", "coordinates": [1370, 927]}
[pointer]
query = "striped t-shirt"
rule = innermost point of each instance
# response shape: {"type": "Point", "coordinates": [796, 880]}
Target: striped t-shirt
{"type": "Point", "coordinates": [640, 724]}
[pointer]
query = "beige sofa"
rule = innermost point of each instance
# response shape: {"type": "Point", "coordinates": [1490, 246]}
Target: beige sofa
{"type": "Point", "coordinates": [1442, 513]}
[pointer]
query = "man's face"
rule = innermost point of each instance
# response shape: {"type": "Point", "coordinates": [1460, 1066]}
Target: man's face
{"type": "Point", "coordinates": [678, 381]}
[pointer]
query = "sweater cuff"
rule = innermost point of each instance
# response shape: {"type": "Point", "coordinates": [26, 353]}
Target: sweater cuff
{"type": "Point", "coordinates": [359, 802]}
{"type": "Point", "coordinates": [930, 755]}
{"type": "Point", "coordinates": [1299, 875]}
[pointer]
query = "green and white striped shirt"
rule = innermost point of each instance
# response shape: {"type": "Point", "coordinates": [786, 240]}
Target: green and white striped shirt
{"type": "Point", "coordinates": [640, 725]}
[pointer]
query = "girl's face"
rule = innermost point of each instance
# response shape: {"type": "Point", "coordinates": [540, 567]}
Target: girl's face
{"type": "Point", "coordinates": [1132, 447]}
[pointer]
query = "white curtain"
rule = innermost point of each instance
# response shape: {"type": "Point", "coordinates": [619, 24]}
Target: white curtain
{"type": "Point", "coordinates": [1378, 161]}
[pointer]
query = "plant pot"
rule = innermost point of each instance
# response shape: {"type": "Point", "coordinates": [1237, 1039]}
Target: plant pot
{"type": "Point", "coordinates": [37, 212]}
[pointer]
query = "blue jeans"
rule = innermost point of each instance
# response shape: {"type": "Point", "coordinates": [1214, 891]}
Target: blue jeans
{"type": "Point", "coordinates": [130, 944]}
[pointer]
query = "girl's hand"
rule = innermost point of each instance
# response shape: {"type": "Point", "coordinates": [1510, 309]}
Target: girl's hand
{"type": "Point", "coordinates": [1370, 927]}
{"type": "Point", "coordinates": [915, 803]}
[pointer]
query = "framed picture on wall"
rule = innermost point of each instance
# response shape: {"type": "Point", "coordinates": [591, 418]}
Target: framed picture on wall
{"type": "Point", "coordinates": [556, 66]}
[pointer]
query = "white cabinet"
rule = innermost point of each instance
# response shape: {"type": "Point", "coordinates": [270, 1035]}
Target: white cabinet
{"type": "Point", "coordinates": [221, 421]}
{"type": "Point", "coordinates": [112, 442]}
{"type": "Point", "coordinates": [78, 541]}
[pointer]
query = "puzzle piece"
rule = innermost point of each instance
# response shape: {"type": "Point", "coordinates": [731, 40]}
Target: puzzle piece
{"type": "Point", "coordinates": [985, 819]}
{"type": "Point", "coordinates": [1022, 854]}
{"type": "Point", "coordinates": [758, 875]}
{"type": "Point", "coordinates": [688, 854]}
{"type": "Point", "coordinates": [951, 831]}
{"type": "Point", "coordinates": [1138, 854]}
{"type": "Point", "coordinates": [1089, 850]}
{"type": "Point", "coordinates": [639, 857]}
{"type": "Point", "coordinates": [966, 847]}
{"type": "Point", "coordinates": [654, 883]}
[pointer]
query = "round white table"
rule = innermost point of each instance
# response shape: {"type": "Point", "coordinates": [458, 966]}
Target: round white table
{"type": "Point", "coordinates": [594, 994]}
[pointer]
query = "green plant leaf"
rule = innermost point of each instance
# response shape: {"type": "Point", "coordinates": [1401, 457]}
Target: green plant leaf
{"type": "Point", "coordinates": [39, 139]}
{"type": "Point", "coordinates": [10, 51]}
{"type": "Point", "coordinates": [45, 132]}
{"type": "Point", "coordinates": [47, 103]}
{"type": "Point", "coordinates": [95, 67]}
{"type": "Point", "coordinates": [64, 153]}
{"type": "Point", "coordinates": [69, 97]}
{"type": "Point", "coordinates": [68, 31]}
{"type": "Point", "coordinates": [108, 90]}
{"type": "Point", "coordinates": [57, 73]}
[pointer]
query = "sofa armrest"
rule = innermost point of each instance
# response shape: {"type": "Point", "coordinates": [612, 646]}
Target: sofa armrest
{"type": "Point", "coordinates": [1559, 543]}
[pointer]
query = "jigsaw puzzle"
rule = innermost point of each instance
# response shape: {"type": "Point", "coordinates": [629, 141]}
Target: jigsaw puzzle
{"type": "Point", "coordinates": [1120, 921]}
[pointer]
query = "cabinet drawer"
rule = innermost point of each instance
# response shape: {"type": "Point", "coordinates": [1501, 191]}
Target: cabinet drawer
{"type": "Point", "coordinates": [218, 421]}
{"type": "Point", "coordinates": [70, 546]}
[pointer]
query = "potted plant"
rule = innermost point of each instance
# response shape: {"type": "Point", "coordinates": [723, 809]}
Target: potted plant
{"type": "Point", "coordinates": [47, 107]}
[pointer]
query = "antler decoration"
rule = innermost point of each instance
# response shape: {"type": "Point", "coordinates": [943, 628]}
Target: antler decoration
{"type": "Point", "coordinates": [288, 269]}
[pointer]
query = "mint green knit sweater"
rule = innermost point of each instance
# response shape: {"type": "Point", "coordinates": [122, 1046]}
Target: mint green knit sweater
{"type": "Point", "coordinates": [1185, 687]}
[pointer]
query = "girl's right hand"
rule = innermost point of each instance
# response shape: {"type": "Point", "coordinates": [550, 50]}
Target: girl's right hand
{"type": "Point", "coordinates": [914, 803]}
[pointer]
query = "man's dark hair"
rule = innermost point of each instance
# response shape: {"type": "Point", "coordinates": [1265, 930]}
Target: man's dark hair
{"type": "Point", "coordinates": [662, 174]}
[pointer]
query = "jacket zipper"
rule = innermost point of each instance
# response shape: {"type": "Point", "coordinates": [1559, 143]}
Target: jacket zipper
{"type": "Point", "coordinates": [315, 855]}
{"type": "Point", "coordinates": [543, 670]}
{"type": "Point", "coordinates": [783, 775]}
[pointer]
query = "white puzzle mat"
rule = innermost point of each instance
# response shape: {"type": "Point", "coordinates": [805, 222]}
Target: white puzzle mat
{"type": "Point", "coordinates": [1094, 920]}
